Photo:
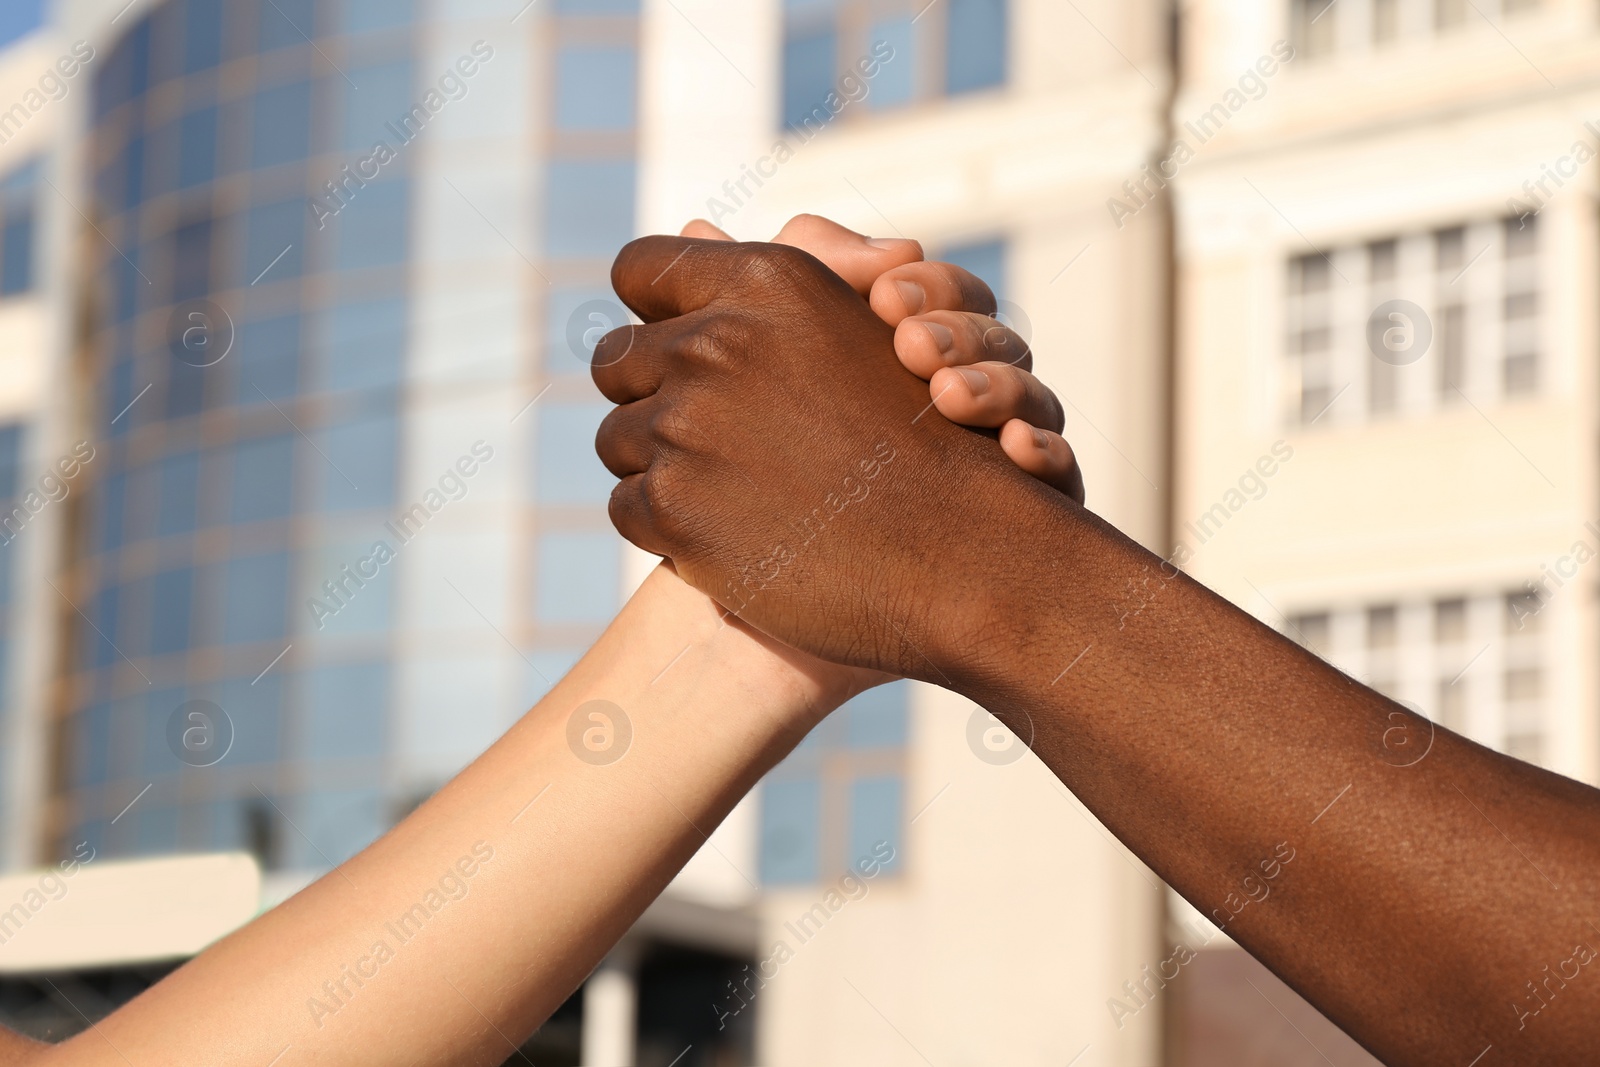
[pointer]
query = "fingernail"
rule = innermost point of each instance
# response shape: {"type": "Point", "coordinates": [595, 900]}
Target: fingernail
{"type": "Point", "coordinates": [942, 336]}
{"type": "Point", "coordinates": [888, 244]}
{"type": "Point", "coordinates": [977, 381]}
{"type": "Point", "coordinates": [1041, 439]}
{"type": "Point", "coordinates": [912, 294]}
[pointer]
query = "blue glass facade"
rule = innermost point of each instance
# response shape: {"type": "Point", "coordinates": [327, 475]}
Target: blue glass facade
{"type": "Point", "coordinates": [841, 793]}
{"type": "Point", "coordinates": [257, 300]}
{"type": "Point", "coordinates": [19, 18]}
{"type": "Point", "coordinates": [19, 192]}
{"type": "Point", "coordinates": [887, 53]}
{"type": "Point", "coordinates": [11, 489]}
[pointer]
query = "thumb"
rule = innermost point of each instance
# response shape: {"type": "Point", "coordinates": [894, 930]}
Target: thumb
{"type": "Point", "coordinates": [858, 259]}
{"type": "Point", "coordinates": [705, 231]}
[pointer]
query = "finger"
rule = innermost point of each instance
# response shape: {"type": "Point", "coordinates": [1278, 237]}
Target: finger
{"type": "Point", "coordinates": [1045, 455]}
{"type": "Point", "coordinates": [662, 277]}
{"type": "Point", "coordinates": [918, 288]}
{"type": "Point", "coordinates": [858, 259]}
{"type": "Point", "coordinates": [925, 343]}
{"type": "Point", "coordinates": [630, 361]}
{"type": "Point", "coordinates": [629, 509]}
{"type": "Point", "coordinates": [992, 394]}
{"type": "Point", "coordinates": [624, 441]}
{"type": "Point", "coordinates": [705, 231]}
{"type": "Point", "coordinates": [659, 277]}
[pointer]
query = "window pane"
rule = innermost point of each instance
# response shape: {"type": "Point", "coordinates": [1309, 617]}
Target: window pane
{"type": "Point", "coordinates": [384, 96]}
{"type": "Point", "coordinates": [155, 757]}
{"type": "Point", "coordinates": [1383, 627]}
{"type": "Point", "coordinates": [254, 604]}
{"type": "Point", "coordinates": [598, 7]}
{"type": "Point", "coordinates": [1385, 21]}
{"type": "Point", "coordinates": [808, 73]}
{"type": "Point", "coordinates": [155, 830]}
{"type": "Point", "coordinates": [364, 344]}
{"type": "Point", "coordinates": [373, 229]}
{"type": "Point", "coordinates": [596, 88]}
{"type": "Point", "coordinates": [1315, 27]}
{"type": "Point", "coordinates": [263, 471]}
{"type": "Point", "coordinates": [976, 57]}
{"type": "Point", "coordinates": [562, 321]}
{"type": "Point", "coordinates": [202, 35]}
{"type": "Point", "coordinates": [339, 824]}
{"type": "Point", "coordinates": [986, 259]}
{"type": "Point", "coordinates": [268, 356]}
{"type": "Point", "coordinates": [191, 260]}
{"type": "Point", "coordinates": [340, 594]}
{"type": "Point", "coordinates": [346, 711]}
{"type": "Point", "coordinates": [360, 468]}
{"type": "Point", "coordinates": [275, 238]}
{"type": "Point", "coordinates": [875, 818]}
{"type": "Point", "coordinates": [185, 389]}
{"type": "Point", "coordinates": [1447, 14]}
{"type": "Point", "coordinates": [590, 209]}
{"type": "Point", "coordinates": [360, 16]}
{"type": "Point", "coordinates": [255, 705]}
{"type": "Point", "coordinates": [1450, 621]}
{"type": "Point", "coordinates": [99, 638]}
{"type": "Point", "coordinates": [280, 125]}
{"type": "Point", "coordinates": [171, 595]}
{"type": "Point", "coordinates": [568, 470]}
{"type": "Point", "coordinates": [791, 822]}
{"type": "Point", "coordinates": [877, 718]}
{"type": "Point", "coordinates": [180, 490]}
{"type": "Point", "coordinates": [579, 577]}
{"type": "Point", "coordinates": [197, 147]}
{"type": "Point", "coordinates": [895, 82]}
{"type": "Point", "coordinates": [133, 174]}
{"type": "Point", "coordinates": [111, 501]}
{"type": "Point", "coordinates": [1314, 631]}
{"type": "Point", "coordinates": [285, 23]}
{"type": "Point", "coordinates": [91, 745]}
{"type": "Point", "coordinates": [10, 460]}
{"type": "Point", "coordinates": [19, 17]}
{"type": "Point", "coordinates": [16, 253]}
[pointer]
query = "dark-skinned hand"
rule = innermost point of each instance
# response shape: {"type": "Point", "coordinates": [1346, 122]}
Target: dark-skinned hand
{"type": "Point", "coordinates": [771, 444]}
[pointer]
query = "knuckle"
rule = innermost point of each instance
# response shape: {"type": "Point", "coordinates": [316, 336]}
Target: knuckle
{"type": "Point", "coordinates": [1004, 346]}
{"type": "Point", "coordinates": [968, 291]}
{"type": "Point", "coordinates": [1049, 406]}
{"type": "Point", "coordinates": [716, 342]}
{"type": "Point", "coordinates": [805, 227]}
{"type": "Point", "coordinates": [776, 267]}
{"type": "Point", "coordinates": [659, 496]}
{"type": "Point", "coordinates": [669, 426]}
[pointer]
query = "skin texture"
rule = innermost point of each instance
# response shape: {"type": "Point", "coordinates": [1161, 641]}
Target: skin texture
{"type": "Point", "coordinates": [563, 856]}
{"type": "Point", "coordinates": [1443, 901]}
{"type": "Point", "coordinates": [514, 937]}
{"type": "Point", "coordinates": [979, 369]}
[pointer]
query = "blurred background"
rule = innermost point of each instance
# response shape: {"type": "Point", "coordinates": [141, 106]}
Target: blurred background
{"type": "Point", "coordinates": [276, 275]}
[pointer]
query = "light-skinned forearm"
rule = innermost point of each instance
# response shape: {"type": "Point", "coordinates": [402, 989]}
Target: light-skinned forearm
{"type": "Point", "coordinates": [563, 856]}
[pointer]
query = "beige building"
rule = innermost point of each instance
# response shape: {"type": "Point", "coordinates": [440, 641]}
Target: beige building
{"type": "Point", "coordinates": [1387, 264]}
{"type": "Point", "coordinates": [1387, 267]}
{"type": "Point", "coordinates": [37, 233]}
{"type": "Point", "coordinates": [1320, 315]}
{"type": "Point", "coordinates": [1012, 916]}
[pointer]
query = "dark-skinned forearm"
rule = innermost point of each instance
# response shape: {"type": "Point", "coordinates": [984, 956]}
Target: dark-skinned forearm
{"type": "Point", "coordinates": [1431, 882]}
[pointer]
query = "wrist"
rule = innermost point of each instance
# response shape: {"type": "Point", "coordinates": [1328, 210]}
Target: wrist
{"type": "Point", "coordinates": [1052, 559]}
{"type": "Point", "coordinates": [698, 641]}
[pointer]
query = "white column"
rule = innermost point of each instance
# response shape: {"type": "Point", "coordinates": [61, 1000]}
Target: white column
{"type": "Point", "coordinates": [610, 1010]}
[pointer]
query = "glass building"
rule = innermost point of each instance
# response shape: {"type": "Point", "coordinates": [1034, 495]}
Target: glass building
{"type": "Point", "coordinates": [339, 407]}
